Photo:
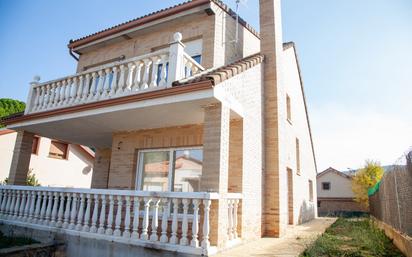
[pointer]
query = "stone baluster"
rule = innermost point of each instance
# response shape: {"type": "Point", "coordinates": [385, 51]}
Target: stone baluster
{"type": "Point", "coordinates": [99, 88]}
{"type": "Point", "coordinates": [136, 209]}
{"type": "Point", "coordinates": [195, 223]}
{"type": "Point", "coordinates": [46, 97]}
{"type": "Point", "coordinates": [53, 217]}
{"type": "Point", "coordinates": [36, 98]}
{"type": "Point", "coordinates": [184, 240]}
{"type": "Point", "coordinates": [73, 212]}
{"type": "Point", "coordinates": [230, 219]}
{"type": "Point", "coordinates": [189, 66]}
{"type": "Point", "coordinates": [155, 63]}
{"type": "Point", "coordinates": [22, 205]}
{"type": "Point", "coordinates": [129, 81]}
{"type": "Point", "coordinates": [67, 211]}
{"type": "Point", "coordinates": [3, 202]}
{"type": "Point", "coordinates": [62, 98]}
{"type": "Point", "coordinates": [126, 232]}
{"type": "Point", "coordinates": [8, 202]}
{"type": "Point", "coordinates": [109, 228]}
{"type": "Point", "coordinates": [27, 207]}
{"type": "Point", "coordinates": [60, 213]}
{"type": "Point", "coordinates": [57, 94]}
{"type": "Point", "coordinates": [235, 207]}
{"type": "Point", "coordinates": [176, 59]}
{"type": "Point", "coordinates": [118, 221]}
{"type": "Point", "coordinates": [32, 216]}
{"type": "Point", "coordinates": [147, 64]}
{"type": "Point", "coordinates": [145, 227]}
{"type": "Point", "coordinates": [138, 76]}
{"type": "Point", "coordinates": [165, 217]}
{"type": "Point", "coordinates": [173, 238]}
{"type": "Point", "coordinates": [106, 86]}
{"type": "Point", "coordinates": [86, 227]}
{"type": "Point", "coordinates": [74, 89]}
{"type": "Point", "coordinates": [155, 220]}
{"type": "Point", "coordinates": [86, 88]}
{"type": "Point", "coordinates": [11, 205]}
{"type": "Point", "coordinates": [48, 208]}
{"type": "Point", "coordinates": [163, 72]}
{"type": "Point", "coordinates": [122, 80]}
{"type": "Point", "coordinates": [206, 224]}
{"type": "Point", "coordinates": [68, 91]}
{"type": "Point", "coordinates": [80, 214]}
{"type": "Point", "coordinates": [114, 86]}
{"type": "Point", "coordinates": [38, 206]}
{"type": "Point", "coordinates": [80, 89]}
{"type": "Point", "coordinates": [17, 205]}
{"type": "Point", "coordinates": [41, 98]}
{"type": "Point", "coordinates": [93, 228]}
{"type": "Point", "coordinates": [52, 95]}
{"type": "Point", "coordinates": [92, 89]}
{"type": "Point", "coordinates": [102, 216]}
{"type": "Point", "coordinates": [43, 208]}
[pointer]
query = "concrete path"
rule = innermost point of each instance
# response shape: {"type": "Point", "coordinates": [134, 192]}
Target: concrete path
{"type": "Point", "coordinates": [293, 243]}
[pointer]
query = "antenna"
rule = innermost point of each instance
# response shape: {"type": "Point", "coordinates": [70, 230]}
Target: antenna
{"type": "Point", "coordinates": [243, 2]}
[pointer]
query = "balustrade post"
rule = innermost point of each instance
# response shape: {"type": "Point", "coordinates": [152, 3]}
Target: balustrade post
{"type": "Point", "coordinates": [102, 216]}
{"type": "Point", "coordinates": [155, 62]}
{"type": "Point", "coordinates": [32, 216]}
{"type": "Point", "coordinates": [46, 97]}
{"type": "Point", "coordinates": [80, 214]}
{"type": "Point", "coordinates": [122, 80]}
{"type": "Point", "coordinates": [67, 211]}
{"type": "Point", "coordinates": [114, 82]}
{"type": "Point", "coordinates": [117, 231]}
{"type": "Point", "coordinates": [173, 238]}
{"type": "Point", "coordinates": [38, 206]}
{"type": "Point", "coordinates": [184, 240]}
{"type": "Point", "coordinates": [92, 90]}
{"type": "Point", "coordinates": [27, 207]}
{"type": "Point", "coordinates": [165, 217]}
{"type": "Point", "coordinates": [106, 86]}
{"type": "Point", "coordinates": [80, 88]}
{"type": "Point", "coordinates": [163, 72]}
{"type": "Point", "coordinates": [73, 91]}
{"type": "Point", "coordinates": [129, 82]}
{"type": "Point", "coordinates": [60, 213]}
{"type": "Point", "coordinates": [22, 205]}
{"type": "Point", "coordinates": [136, 209]}
{"type": "Point", "coordinates": [57, 94]}
{"type": "Point", "coordinates": [48, 208]}
{"type": "Point", "coordinates": [43, 208]}
{"type": "Point", "coordinates": [73, 213]}
{"type": "Point", "coordinates": [86, 227]}
{"type": "Point", "coordinates": [126, 232]}
{"type": "Point", "coordinates": [176, 56]}
{"type": "Point", "coordinates": [17, 205]}
{"type": "Point", "coordinates": [155, 220]}
{"type": "Point", "coordinates": [195, 223]}
{"type": "Point", "coordinates": [30, 103]}
{"type": "Point", "coordinates": [99, 88]}
{"type": "Point", "coordinates": [63, 93]}
{"type": "Point", "coordinates": [206, 225]}
{"type": "Point", "coordinates": [145, 227]}
{"type": "Point", "coordinates": [93, 228]}
{"type": "Point", "coordinates": [147, 63]}
{"type": "Point", "coordinates": [12, 203]}
{"type": "Point", "coordinates": [109, 229]}
{"type": "Point", "coordinates": [3, 202]}
{"type": "Point", "coordinates": [68, 91]}
{"type": "Point", "coordinates": [86, 88]}
{"type": "Point", "coordinates": [138, 76]}
{"type": "Point", "coordinates": [54, 210]}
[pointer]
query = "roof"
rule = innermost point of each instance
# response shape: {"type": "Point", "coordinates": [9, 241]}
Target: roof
{"type": "Point", "coordinates": [156, 16]}
{"type": "Point", "coordinates": [5, 131]}
{"type": "Point", "coordinates": [335, 171]}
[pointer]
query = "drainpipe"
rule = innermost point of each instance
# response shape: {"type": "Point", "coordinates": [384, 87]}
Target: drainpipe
{"type": "Point", "coordinates": [71, 52]}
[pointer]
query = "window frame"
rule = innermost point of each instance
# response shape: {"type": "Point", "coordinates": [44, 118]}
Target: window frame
{"type": "Point", "coordinates": [326, 183]}
{"type": "Point", "coordinates": [36, 152]}
{"type": "Point", "coordinates": [170, 176]}
{"type": "Point", "coordinates": [66, 157]}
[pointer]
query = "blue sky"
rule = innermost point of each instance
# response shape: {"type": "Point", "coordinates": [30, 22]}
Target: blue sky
{"type": "Point", "coordinates": [356, 59]}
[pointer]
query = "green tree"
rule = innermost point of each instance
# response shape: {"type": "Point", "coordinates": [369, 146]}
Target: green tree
{"type": "Point", "coordinates": [30, 181]}
{"type": "Point", "coordinates": [10, 106]}
{"type": "Point", "coordinates": [366, 178]}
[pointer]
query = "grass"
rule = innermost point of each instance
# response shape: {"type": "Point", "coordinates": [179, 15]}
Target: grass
{"type": "Point", "coordinates": [352, 238]}
{"type": "Point", "coordinates": [6, 241]}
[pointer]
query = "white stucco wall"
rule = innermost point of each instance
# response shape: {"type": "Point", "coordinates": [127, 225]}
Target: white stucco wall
{"type": "Point", "coordinates": [76, 171]}
{"type": "Point", "coordinates": [339, 186]}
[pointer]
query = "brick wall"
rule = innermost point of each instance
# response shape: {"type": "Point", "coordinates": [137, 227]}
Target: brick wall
{"type": "Point", "coordinates": [101, 168]}
{"type": "Point", "coordinates": [335, 206]}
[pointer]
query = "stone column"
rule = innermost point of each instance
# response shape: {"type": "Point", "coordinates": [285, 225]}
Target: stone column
{"type": "Point", "coordinates": [215, 168]}
{"type": "Point", "coordinates": [101, 167]}
{"type": "Point", "coordinates": [21, 158]}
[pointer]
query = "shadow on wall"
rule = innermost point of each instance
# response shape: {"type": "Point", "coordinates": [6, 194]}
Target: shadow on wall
{"type": "Point", "coordinates": [306, 212]}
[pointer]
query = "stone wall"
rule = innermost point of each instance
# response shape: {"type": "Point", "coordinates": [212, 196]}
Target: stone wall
{"type": "Point", "coordinates": [336, 206]}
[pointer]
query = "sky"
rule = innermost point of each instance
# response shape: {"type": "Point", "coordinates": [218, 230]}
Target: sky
{"type": "Point", "coordinates": [355, 57]}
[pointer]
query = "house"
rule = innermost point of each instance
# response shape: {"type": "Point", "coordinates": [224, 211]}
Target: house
{"type": "Point", "coordinates": [54, 163]}
{"type": "Point", "coordinates": [335, 195]}
{"type": "Point", "coordinates": [201, 133]}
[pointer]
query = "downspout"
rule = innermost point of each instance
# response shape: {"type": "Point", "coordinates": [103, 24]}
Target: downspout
{"type": "Point", "coordinates": [71, 52]}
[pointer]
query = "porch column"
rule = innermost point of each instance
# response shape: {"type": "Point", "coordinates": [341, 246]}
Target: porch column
{"type": "Point", "coordinates": [100, 177]}
{"type": "Point", "coordinates": [215, 167]}
{"type": "Point", "coordinates": [21, 158]}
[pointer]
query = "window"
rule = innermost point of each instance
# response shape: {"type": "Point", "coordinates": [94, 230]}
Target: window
{"type": "Point", "coordinates": [297, 157]}
{"type": "Point", "coordinates": [175, 169]}
{"type": "Point", "coordinates": [318, 204]}
{"type": "Point", "coordinates": [58, 150]}
{"type": "Point", "coordinates": [325, 185]}
{"type": "Point", "coordinates": [35, 145]}
{"type": "Point", "coordinates": [288, 109]}
{"type": "Point", "coordinates": [310, 190]}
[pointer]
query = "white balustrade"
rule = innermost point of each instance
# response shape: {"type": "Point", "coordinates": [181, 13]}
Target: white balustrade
{"type": "Point", "coordinates": [135, 75]}
{"type": "Point", "coordinates": [84, 211]}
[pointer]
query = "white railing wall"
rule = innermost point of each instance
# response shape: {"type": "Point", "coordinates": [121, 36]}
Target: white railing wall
{"type": "Point", "coordinates": [135, 75]}
{"type": "Point", "coordinates": [176, 221]}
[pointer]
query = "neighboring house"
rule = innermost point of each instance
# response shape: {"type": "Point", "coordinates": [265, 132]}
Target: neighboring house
{"type": "Point", "coordinates": [54, 163]}
{"type": "Point", "coordinates": [335, 195]}
{"type": "Point", "coordinates": [206, 134]}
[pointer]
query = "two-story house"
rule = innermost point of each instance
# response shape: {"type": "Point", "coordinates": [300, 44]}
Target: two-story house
{"type": "Point", "coordinates": [200, 127]}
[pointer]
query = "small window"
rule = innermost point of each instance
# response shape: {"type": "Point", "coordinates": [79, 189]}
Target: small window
{"type": "Point", "coordinates": [297, 157]}
{"type": "Point", "coordinates": [310, 190]}
{"type": "Point", "coordinates": [58, 150]}
{"type": "Point", "coordinates": [288, 109]}
{"type": "Point", "coordinates": [318, 204]}
{"type": "Point", "coordinates": [325, 185]}
{"type": "Point", "coordinates": [35, 145]}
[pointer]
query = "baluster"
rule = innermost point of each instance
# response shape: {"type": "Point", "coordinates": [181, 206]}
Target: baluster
{"type": "Point", "coordinates": [62, 98]}
{"type": "Point", "coordinates": [136, 209]}
{"type": "Point", "coordinates": [68, 91]}
{"type": "Point", "coordinates": [99, 88]}
{"type": "Point", "coordinates": [86, 227]}
{"type": "Point", "coordinates": [106, 86]}
{"type": "Point", "coordinates": [22, 205]}
{"type": "Point", "coordinates": [37, 98]}
{"type": "Point", "coordinates": [126, 232]}
{"type": "Point", "coordinates": [52, 95]}
{"type": "Point", "coordinates": [11, 205]}
{"type": "Point", "coordinates": [73, 213]}
{"type": "Point", "coordinates": [165, 217]}
{"type": "Point", "coordinates": [189, 66]}
{"type": "Point", "coordinates": [102, 216]}
{"type": "Point", "coordinates": [117, 231]}
{"type": "Point", "coordinates": [93, 228]}
{"type": "Point", "coordinates": [9, 202]}
{"type": "Point", "coordinates": [155, 220]}
{"type": "Point", "coordinates": [206, 225]}
{"type": "Point", "coordinates": [147, 202]}
{"type": "Point", "coordinates": [57, 93]}
{"type": "Point", "coordinates": [195, 70]}
{"type": "Point", "coordinates": [129, 82]}
{"type": "Point", "coordinates": [27, 207]}
{"type": "Point", "coordinates": [73, 91]}
{"type": "Point", "coordinates": [122, 80]}
{"type": "Point", "coordinates": [86, 88]}
{"type": "Point", "coordinates": [113, 87]}
{"type": "Point", "coordinates": [38, 206]}
{"type": "Point", "coordinates": [183, 239]}
{"type": "Point", "coordinates": [109, 229]}
{"type": "Point", "coordinates": [173, 238]}
{"type": "Point", "coordinates": [16, 205]}
{"type": "Point", "coordinates": [67, 211]}
{"type": "Point", "coordinates": [230, 219]}
{"type": "Point", "coordinates": [195, 223]}
{"type": "Point", "coordinates": [80, 214]}
{"type": "Point", "coordinates": [3, 202]}
{"type": "Point", "coordinates": [80, 89]}
{"type": "Point", "coordinates": [138, 76]}
{"type": "Point", "coordinates": [32, 216]}
{"type": "Point", "coordinates": [41, 97]}
{"type": "Point", "coordinates": [48, 208]}
{"type": "Point", "coordinates": [60, 213]}
{"type": "Point", "coordinates": [47, 97]}
{"type": "Point", "coordinates": [235, 207]}
{"type": "Point", "coordinates": [147, 63]}
{"type": "Point", "coordinates": [155, 62]}
{"type": "Point", "coordinates": [43, 208]}
{"type": "Point", "coordinates": [54, 210]}
{"type": "Point", "coordinates": [92, 90]}
{"type": "Point", "coordinates": [163, 72]}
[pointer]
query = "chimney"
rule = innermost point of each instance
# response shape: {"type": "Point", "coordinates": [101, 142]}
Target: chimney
{"type": "Point", "coordinates": [271, 46]}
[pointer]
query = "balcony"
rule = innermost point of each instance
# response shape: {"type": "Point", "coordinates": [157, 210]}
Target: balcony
{"type": "Point", "coordinates": [171, 221]}
{"type": "Point", "coordinates": [154, 71]}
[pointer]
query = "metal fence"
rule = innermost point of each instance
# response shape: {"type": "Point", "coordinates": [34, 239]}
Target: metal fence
{"type": "Point", "coordinates": [392, 202]}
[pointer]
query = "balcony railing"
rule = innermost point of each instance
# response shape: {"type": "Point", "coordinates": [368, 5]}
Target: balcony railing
{"type": "Point", "coordinates": [152, 219]}
{"type": "Point", "coordinates": [139, 74]}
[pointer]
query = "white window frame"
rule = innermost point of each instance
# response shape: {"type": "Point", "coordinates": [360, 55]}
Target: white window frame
{"type": "Point", "coordinates": [170, 177]}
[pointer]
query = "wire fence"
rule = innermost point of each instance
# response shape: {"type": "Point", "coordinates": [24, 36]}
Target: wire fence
{"type": "Point", "coordinates": [392, 201]}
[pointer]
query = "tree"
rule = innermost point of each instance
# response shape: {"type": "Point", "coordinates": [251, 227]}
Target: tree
{"type": "Point", "coordinates": [10, 106]}
{"type": "Point", "coordinates": [30, 181]}
{"type": "Point", "coordinates": [366, 178]}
